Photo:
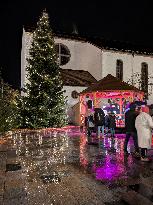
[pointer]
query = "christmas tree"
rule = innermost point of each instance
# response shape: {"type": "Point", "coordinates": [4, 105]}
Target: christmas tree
{"type": "Point", "coordinates": [8, 111]}
{"type": "Point", "coordinates": [43, 103]}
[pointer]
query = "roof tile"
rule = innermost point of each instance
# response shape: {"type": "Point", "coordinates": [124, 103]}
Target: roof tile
{"type": "Point", "coordinates": [110, 83]}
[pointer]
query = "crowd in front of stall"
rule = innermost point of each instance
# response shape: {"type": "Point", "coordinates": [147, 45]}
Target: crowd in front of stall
{"type": "Point", "coordinates": [138, 125]}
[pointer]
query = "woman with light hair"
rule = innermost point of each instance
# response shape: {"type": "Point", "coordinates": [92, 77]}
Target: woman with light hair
{"type": "Point", "coordinates": [144, 125]}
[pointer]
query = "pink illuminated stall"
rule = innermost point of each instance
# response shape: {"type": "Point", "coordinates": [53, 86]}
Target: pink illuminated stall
{"type": "Point", "coordinates": [111, 94]}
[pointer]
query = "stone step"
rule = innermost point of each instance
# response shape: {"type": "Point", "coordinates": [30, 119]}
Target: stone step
{"type": "Point", "coordinates": [121, 202]}
{"type": "Point", "coordinates": [37, 194]}
{"type": "Point", "coordinates": [3, 148]}
{"type": "Point", "coordinates": [61, 194]}
{"type": "Point", "coordinates": [148, 181]}
{"type": "Point", "coordinates": [15, 201]}
{"type": "Point", "coordinates": [11, 153]}
{"type": "Point", "coordinates": [80, 191]}
{"type": "Point", "coordinates": [134, 198]}
{"type": "Point", "coordinates": [143, 189]}
{"type": "Point", "coordinates": [3, 158]}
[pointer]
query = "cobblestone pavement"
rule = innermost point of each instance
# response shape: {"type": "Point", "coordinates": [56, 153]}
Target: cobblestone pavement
{"type": "Point", "coordinates": [58, 167]}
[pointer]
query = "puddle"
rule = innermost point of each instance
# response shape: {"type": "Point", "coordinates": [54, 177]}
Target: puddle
{"type": "Point", "coordinates": [41, 153]}
{"type": "Point", "coordinates": [50, 178]}
{"type": "Point", "coordinates": [109, 163]}
{"type": "Point", "coordinates": [63, 163]}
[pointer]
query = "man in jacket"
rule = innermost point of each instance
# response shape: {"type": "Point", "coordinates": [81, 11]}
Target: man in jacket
{"type": "Point", "coordinates": [130, 117]}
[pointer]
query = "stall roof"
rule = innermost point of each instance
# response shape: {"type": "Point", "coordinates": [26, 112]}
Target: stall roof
{"type": "Point", "coordinates": [110, 83]}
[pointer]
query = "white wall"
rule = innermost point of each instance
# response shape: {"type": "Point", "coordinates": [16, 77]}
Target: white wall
{"type": "Point", "coordinates": [84, 56]}
{"type": "Point", "coordinates": [71, 101]}
{"type": "Point", "coordinates": [109, 63]}
{"type": "Point", "coordinates": [130, 64]}
{"type": "Point", "coordinates": [26, 43]}
{"type": "Point", "coordinates": [149, 60]}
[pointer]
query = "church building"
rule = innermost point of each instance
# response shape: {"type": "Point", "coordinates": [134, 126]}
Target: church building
{"type": "Point", "coordinates": [84, 61]}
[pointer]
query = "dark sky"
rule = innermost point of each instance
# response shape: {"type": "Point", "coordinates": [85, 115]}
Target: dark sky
{"type": "Point", "coordinates": [129, 21]}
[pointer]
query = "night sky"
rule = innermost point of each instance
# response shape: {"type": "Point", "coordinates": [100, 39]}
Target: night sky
{"type": "Point", "coordinates": [129, 21]}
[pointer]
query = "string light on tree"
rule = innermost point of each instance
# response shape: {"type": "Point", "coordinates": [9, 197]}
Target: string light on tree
{"type": "Point", "coordinates": [43, 104]}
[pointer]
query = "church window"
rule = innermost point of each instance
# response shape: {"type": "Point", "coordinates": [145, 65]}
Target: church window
{"type": "Point", "coordinates": [63, 54]}
{"type": "Point", "coordinates": [119, 69]}
{"type": "Point", "coordinates": [144, 77]}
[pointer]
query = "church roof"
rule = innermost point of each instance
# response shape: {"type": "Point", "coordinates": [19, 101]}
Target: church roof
{"type": "Point", "coordinates": [77, 78]}
{"type": "Point", "coordinates": [113, 45]}
{"type": "Point", "coordinates": [104, 43]}
{"type": "Point", "coordinates": [110, 83]}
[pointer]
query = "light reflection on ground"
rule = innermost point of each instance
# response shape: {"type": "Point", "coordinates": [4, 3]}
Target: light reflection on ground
{"type": "Point", "coordinates": [58, 166]}
{"type": "Point", "coordinates": [109, 162]}
{"type": "Point", "coordinates": [42, 154]}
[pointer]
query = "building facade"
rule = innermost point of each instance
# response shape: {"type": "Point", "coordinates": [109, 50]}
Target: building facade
{"type": "Point", "coordinates": [78, 54]}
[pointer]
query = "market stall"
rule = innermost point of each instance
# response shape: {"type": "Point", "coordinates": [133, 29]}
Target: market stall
{"type": "Point", "coordinates": [111, 94]}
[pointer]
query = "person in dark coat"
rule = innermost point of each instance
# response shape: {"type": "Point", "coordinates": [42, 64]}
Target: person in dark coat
{"type": "Point", "coordinates": [130, 117]}
{"type": "Point", "coordinates": [107, 122]}
{"type": "Point", "coordinates": [90, 124]}
{"type": "Point", "coordinates": [112, 123]}
{"type": "Point", "coordinates": [99, 119]}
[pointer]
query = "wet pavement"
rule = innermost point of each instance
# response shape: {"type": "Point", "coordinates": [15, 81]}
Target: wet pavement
{"type": "Point", "coordinates": [59, 167]}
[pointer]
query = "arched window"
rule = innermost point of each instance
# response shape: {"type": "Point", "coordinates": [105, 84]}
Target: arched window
{"type": "Point", "coordinates": [63, 53]}
{"type": "Point", "coordinates": [144, 77]}
{"type": "Point", "coordinates": [119, 69]}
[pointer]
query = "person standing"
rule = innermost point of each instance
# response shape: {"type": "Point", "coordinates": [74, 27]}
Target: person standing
{"type": "Point", "coordinates": [107, 122]}
{"type": "Point", "coordinates": [99, 119]}
{"type": "Point", "coordinates": [90, 124]}
{"type": "Point", "coordinates": [112, 123]}
{"type": "Point", "coordinates": [130, 117]}
{"type": "Point", "coordinates": [144, 125]}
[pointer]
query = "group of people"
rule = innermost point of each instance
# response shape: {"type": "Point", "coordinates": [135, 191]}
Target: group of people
{"type": "Point", "coordinates": [96, 119]}
{"type": "Point", "coordinates": [138, 125]}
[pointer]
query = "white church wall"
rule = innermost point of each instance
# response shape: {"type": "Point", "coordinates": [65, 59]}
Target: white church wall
{"type": "Point", "coordinates": [26, 43]}
{"type": "Point", "coordinates": [71, 101]}
{"type": "Point", "coordinates": [109, 59]}
{"type": "Point", "coordinates": [138, 59]}
{"type": "Point", "coordinates": [131, 65]}
{"type": "Point", "coordinates": [68, 91]}
{"type": "Point", "coordinates": [84, 56]}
